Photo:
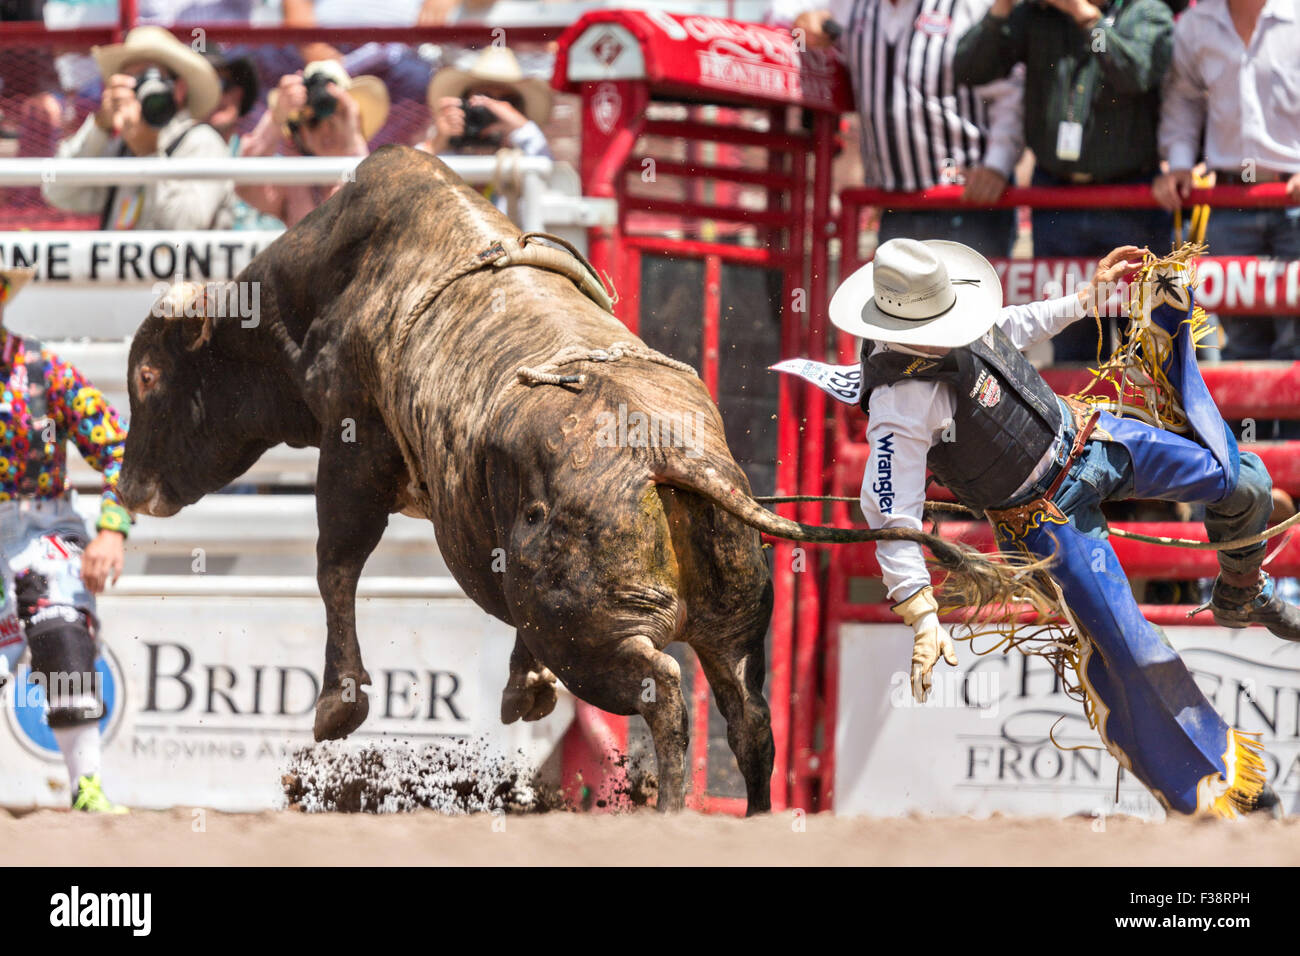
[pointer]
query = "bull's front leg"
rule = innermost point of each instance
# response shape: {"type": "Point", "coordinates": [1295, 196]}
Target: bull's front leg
{"type": "Point", "coordinates": [357, 487]}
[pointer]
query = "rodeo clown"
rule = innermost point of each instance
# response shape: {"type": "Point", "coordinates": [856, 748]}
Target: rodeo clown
{"type": "Point", "coordinates": [945, 385]}
{"type": "Point", "coordinates": [53, 566]}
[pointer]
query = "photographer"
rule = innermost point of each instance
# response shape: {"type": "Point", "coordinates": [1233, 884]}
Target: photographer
{"type": "Point", "coordinates": [156, 93]}
{"type": "Point", "coordinates": [489, 107]}
{"type": "Point", "coordinates": [320, 112]}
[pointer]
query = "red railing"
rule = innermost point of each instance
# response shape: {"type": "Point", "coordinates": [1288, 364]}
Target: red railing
{"type": "Point", "coordinates": [1063, 197]}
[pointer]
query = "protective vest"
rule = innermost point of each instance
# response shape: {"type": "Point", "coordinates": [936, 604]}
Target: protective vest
{"type": "Point", "coordinates": [1006, 416]}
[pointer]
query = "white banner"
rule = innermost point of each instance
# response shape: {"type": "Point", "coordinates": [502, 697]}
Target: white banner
{"type": "Point", "coordinates": [980, 744]}
{"type": "Point", "coordinates": [100, 285]}
{"type": "Point", "coordinates": [130, 257]}
{"type": "Point", "coordinates": [207, 697]}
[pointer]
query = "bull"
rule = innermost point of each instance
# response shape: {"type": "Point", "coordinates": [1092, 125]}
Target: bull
{"type": "Point", "coordinates": [374, 343]}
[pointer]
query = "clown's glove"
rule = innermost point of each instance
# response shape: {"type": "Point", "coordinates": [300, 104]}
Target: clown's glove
{"type": "Point", "coordinates": [921, 612]}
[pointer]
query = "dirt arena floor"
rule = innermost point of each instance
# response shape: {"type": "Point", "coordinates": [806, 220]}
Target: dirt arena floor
{"type": "Point", "coordinates": [187, 837]}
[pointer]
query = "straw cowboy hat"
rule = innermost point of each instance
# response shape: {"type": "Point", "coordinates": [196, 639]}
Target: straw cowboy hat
{"type": "Point", "coordinates": [369, 91]}
{"type": "Point", "coordinates": [158, 45]}
{"type": "Point", "coordinates": [11, 280]}
{"type": "Point", "coordinates": [934, 292]}
{"type": "Point", "coordinates": [495, 65]}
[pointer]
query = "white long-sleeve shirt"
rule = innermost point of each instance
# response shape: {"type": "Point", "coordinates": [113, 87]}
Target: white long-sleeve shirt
{"type": "Point", "coordinates": [910, 416]}
{"type": "Point", "coordinates": [1246, 98]}
{"type": "Point", "coordinates": [919, 127]}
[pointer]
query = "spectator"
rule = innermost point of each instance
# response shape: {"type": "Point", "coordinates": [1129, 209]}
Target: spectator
{"type": "Point", "coordinates": [239, 94]}
{"type": "Point", "coordinates": [1092, 95]}
{"type": "Point", "coordinates": [485, 108]}
{"type": "Point", "coordinates": [31, 114]}
{"type": "Point", "coordinates": [319, 112]}
{"type": "Point", "coordinates": [398, 65]}
{"type": "Point", "coordinates": [1236, 76]}
{"type": "Point", "coordinates": [168, 13]}
{"type": "Point", "coordinates": [515, 107]}
{"type": "Point", "coordinates": [918, 130]}
{"type": "Point", "coordinates": [156, 93]}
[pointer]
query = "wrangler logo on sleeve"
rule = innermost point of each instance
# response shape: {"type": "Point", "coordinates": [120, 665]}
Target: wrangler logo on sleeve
{"type": "Point", "coordinates": [883, 485]}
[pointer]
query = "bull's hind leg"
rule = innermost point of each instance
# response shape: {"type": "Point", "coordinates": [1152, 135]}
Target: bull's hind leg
{"type": "Point", "coordinates": [736, 673]}
{"type": "Point", "coordinates": [634, 677]}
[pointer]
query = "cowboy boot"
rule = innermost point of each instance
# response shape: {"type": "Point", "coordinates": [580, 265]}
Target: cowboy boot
{"type": "Point", "coordinates": [1242, 599]}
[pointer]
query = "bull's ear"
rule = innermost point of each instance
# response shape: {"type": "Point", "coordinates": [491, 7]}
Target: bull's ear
{"type": "Point", "coordinates": [192, 302]}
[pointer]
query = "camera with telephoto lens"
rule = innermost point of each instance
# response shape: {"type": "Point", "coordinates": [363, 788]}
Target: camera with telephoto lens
{"type": "Point", "coordinates": [156, 92]}
{"type": "Point", "coordinates": [477, 120]}
{"type": "Point", "coordinates": [321, 103]}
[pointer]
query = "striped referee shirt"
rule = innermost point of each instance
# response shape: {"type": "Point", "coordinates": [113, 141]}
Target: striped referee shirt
{"type": "Point", "coordinates": [919, 127]}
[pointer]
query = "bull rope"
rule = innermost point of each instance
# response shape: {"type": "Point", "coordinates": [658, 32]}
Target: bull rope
{"type": "Point", "coordinates": [1189, 543]}
{"type": "Point", "coordinates": [524, 249]}
{"type": "Point", "coordinates": [547, 375]}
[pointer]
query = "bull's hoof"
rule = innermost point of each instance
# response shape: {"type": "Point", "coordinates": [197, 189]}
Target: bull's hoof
{"type": "Point", "coordinates": [341, 710]}
{"type": "Point", "coordinates": [533, 701]}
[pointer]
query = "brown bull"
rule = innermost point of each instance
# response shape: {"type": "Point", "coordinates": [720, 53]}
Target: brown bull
{"type": "Point", "coordinates": [376, 343]}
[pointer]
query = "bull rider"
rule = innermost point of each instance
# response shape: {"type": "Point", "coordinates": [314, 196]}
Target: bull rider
{"type": "Point", "coordinates": [946, 386]}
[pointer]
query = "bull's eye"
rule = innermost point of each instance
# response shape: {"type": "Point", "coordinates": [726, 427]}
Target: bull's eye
{"type": "Point", "coordinates": [148, 378]}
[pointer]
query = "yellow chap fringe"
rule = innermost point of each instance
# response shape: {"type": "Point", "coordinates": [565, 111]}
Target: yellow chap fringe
{"type": "Point", "coordinates": [1235, 794]}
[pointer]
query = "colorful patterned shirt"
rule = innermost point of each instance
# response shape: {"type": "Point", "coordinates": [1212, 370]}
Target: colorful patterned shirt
{"type": "Point", "coordinates": [78, 411]}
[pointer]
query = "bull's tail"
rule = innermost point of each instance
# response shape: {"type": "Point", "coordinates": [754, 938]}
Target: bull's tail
{"type": "Point", "coordinates": [974, 580]}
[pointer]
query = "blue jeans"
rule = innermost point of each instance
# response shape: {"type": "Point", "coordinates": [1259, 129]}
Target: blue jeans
{"type": "Point", "coordinates": [1078, 233]}
{"type": "Point", "coordinates": [1104, 472]}
{"type": "Point", "coordinates": [1257, 232]}
{"type": "Point", "coordinates": [990, 232]}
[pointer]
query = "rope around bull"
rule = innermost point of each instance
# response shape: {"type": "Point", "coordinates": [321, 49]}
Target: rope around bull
{"type": "Point", "coordinates": [1189, 543]}
{"type": "Point", "coordinates": [547, 375]}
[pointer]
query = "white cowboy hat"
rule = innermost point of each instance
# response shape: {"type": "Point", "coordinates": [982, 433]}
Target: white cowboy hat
{"type": "Point", "coordinates": [496, 64]}
{"type": "Point", "coordinates": [369, 91]}
{"type": "Point", "coordinates": [934, 292]}
{"type": "Point", "coordinates": [158, 45]}
{"type": "Point", "coordinates": [11, 280]}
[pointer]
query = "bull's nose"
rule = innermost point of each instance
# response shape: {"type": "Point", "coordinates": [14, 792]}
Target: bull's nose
{"type": "Point", "coordinates": [158, 506]}
{"type": "Point", "coordinates": [148, 500]}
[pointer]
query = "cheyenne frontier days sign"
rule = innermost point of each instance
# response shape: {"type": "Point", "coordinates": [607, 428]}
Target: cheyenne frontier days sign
{"type": "Point", "coordinates": [984, 743]}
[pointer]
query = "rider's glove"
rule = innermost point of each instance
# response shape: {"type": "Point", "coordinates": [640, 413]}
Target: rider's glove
{"type": "Point", "coordinates": [921, 612]}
